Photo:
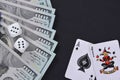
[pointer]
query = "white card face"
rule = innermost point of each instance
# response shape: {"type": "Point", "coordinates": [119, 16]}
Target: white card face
{"type": "Point", "coordinates": [80, 65]}
{"type": "Point", "coordinates": [106, 59]}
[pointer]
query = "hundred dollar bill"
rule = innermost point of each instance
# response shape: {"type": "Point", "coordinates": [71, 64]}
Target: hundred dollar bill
{"type": "Point", "coordinates": [12, 67]}
{"type": "Point", "coordinates": [50, 33]}
{"type": "Point", "coordinates": [40, 39]}
{"type": "Point", "coordinates": [45, 20]}
{"type": "Point", "coordinates": [41, 2]}
{"type": "Point", "coordinates": [36, 56]}
{"type": "Point", "coordinates": [33, 6]}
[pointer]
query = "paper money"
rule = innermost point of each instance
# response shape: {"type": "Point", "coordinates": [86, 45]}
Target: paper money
{"type": "Point", "coordinates": [27, 60]}
{"type": "Point", "coordinates": [42, 2]}
{"type": "Point", "coordinates": [34, 6]}
{"type": "Point", "coordinates": [36, 56]}
{"type": "Point", "coordinates": [38, 17]}
{"type": "Point", "coordinates": [45, 58]}
{"type": "Point", "coordinates": [12, 67]}
{"type": "Point", "coordinates": [42, 40]}
{"type": "Point", "coordinates": [50, 33]}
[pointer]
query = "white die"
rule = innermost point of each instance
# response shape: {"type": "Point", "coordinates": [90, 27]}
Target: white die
{"type": "Point", "coordinates": [14, 30]}
{"type": "Point", "coordinates": [21, 45]}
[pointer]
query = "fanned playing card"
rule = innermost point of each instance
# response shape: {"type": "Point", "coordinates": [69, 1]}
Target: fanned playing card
{"type": "Point", "coordinates": [80, 65]}
{"type": "Point", "coordinates": [106, 59]}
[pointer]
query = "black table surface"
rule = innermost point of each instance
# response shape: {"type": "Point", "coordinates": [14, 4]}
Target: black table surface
{"type": "Point", "coordinates": [91, 20]}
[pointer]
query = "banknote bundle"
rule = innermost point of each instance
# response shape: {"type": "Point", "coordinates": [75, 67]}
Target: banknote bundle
{"type": "Point", "coordinates": [27, 42]}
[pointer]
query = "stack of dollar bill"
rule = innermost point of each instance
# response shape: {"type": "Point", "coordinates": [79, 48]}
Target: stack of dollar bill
{"type": "Point", "coordinates": [36, 19]}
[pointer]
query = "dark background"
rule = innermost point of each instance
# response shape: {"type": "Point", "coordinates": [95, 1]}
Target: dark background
{"type": "Point", "coordinates": [91, 20]}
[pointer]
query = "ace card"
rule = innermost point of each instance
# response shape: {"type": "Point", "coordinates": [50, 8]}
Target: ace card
{"type": "Point", "coordinates": [106, 59]}
{"type": "Point", "coordinates": [80, 66]}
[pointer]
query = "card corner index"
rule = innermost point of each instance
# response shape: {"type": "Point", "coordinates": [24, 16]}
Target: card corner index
{"type": "Point", "coordinates": [117, 41]}
{"type": "Point", "coordinates": [77, 40]}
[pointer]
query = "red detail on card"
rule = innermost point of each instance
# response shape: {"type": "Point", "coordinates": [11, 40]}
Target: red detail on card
{"type": "Point", "coordinates": [97, 56]}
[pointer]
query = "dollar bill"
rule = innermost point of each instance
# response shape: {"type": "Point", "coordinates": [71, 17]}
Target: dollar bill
{"type": "Point", "coordinates": [34, 6]}
{"type": "Point", "coordinates": [45, 20]}
{"type": "Point", "coordinates": [45, 58]}
{"type": "Point", "coordinates": [12, 67]}
{"type": "Point", "coordinates": [41, 2]}
{"type": "Point", "coordinates": [36, 56]}
{"type": "Point", "coordinates": [40, 39]}
{"type": "Point", "coordinates": [50, 33]}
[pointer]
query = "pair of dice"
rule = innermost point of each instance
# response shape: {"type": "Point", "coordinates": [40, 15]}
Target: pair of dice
{"type": "Point", "coordinates": [14, 31]}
